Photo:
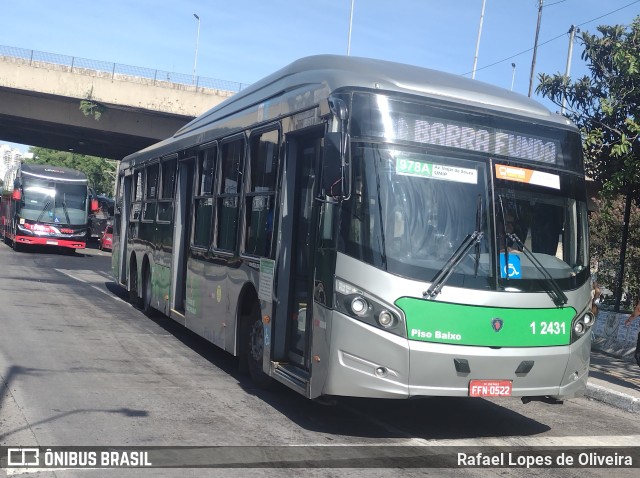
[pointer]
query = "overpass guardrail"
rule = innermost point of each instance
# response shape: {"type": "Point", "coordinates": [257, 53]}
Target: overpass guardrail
{"type": "Point", "coordinates": [115, 71]}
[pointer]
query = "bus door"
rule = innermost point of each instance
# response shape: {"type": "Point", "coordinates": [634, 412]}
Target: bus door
{"type": "Point", "coordinates": [182, 230]}
{"type": "Point", "coordinates": [302, 164]}
{"type": "Point", "coordinates": [121, 225]}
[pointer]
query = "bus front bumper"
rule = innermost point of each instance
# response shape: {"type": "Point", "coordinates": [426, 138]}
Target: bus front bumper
{"type": "Point", "coordinates": [50, 241]}
{"type": "Point", "coordinates": [368, 362]}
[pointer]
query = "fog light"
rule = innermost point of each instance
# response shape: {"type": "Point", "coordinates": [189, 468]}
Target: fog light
{"type": "Point", "coordinates": [385, 318]}
{"type": "Point", "coordinates": [381, 371]}
{"type": "Point", "coordinates": [359, 306]}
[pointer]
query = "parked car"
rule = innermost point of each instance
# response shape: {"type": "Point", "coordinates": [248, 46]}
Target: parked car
{"type": "Point", "coordinates": [106, 241]}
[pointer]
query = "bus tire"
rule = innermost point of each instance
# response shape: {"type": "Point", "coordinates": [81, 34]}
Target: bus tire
{"type": "Point", "coordinates": [255, 354]}
{"type": "Point", "coordinates": [16, 245]}
{"type": "Point", "coordinates": [133, 287]}
{"type": "Point", "coordinates": [147, 308]}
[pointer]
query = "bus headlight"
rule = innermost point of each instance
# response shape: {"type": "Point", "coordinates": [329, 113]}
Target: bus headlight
{"type": "Point", "coordinates": [589, 319]}
{"type": "Point", "coordinates": [359, 306]}
{"type": "Point", "coordinates": [581, 325]}
{"type": "Point", "coordinates": [366, 308]}
{"type": "Point", "coordinates": [385, 318]}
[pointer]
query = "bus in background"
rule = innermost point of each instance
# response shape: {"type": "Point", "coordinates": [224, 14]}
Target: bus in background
{"type": "Point", "coordinates": [100, 217]}
{"type": "Point", "coordinates": [44, 205]}
{"type": "Point", "coordinates": [355, 227]}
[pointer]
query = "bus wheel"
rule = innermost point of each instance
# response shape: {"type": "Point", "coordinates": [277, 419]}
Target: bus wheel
{"type": "Point", "coordinates": [133, 288]}
{"type": "Point", "coordinates": [254, 357]}
{"type": "Point", "coordinates": [147, 308]}
{"type": "Point", "coordinates": [16, 245]}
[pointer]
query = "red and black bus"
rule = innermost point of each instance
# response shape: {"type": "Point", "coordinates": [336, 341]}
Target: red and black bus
{"type": "Point", "coordinates": [47, 205]}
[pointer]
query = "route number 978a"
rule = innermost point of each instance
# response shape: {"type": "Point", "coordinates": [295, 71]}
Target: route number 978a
{"type": "Point", "coordinates": [548, 328]}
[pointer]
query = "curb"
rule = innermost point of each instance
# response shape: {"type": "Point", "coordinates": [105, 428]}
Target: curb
{"type": "Point", "coordinates": [613, 398]}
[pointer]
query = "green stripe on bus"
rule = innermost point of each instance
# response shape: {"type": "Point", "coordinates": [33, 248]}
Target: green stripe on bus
{"type": "Point", "coordinates": [446, 323]}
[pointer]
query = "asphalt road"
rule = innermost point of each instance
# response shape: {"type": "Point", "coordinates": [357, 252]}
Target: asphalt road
{"type": "Point", "coordinates": [81, 366]}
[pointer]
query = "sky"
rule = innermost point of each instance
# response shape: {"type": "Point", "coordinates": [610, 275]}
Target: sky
{"type": "Point", "coordinates": [245, 40]}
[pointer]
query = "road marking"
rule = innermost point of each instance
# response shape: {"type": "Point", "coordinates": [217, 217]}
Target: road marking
{"type": "Point", "coordinates": [88, 275]}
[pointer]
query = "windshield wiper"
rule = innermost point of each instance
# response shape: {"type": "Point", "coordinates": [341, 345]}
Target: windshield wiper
{"type": "Point", "coordinates": [478, 227]}
{"type": "Point", "coordinates": [553, 289]}
{"type": "Point", "coordinates": [64, 208]}
{"type": "Point", "coordinates": [443, 275]}
{"type": "Point", "coordinates": [504, 235]}
{"type": "Point", "coordinates": [44, 208]}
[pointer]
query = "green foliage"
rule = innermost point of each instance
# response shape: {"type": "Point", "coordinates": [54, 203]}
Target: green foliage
{"type": "Point", "coordinates": [90, 107]}
{"type": "Point", "coordinates": [606, 105]}
{"type": "Point", "coordinates": [606, 229]}
{"type": "Point", "coordinates": [606, 108]}
{"type": "Point", "coordinates": [100, 171]}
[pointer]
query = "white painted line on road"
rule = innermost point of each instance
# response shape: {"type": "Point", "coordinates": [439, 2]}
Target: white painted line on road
{"type": "Point", "coordinates": [100, 289]}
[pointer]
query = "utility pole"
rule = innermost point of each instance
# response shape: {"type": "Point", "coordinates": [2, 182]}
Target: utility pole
{"type": "Point", "coordinates": [567, 72]}
{"type": "Point", "coordinates": [535, 48]}
{"type": "Point", "coordinates": [475, 58]}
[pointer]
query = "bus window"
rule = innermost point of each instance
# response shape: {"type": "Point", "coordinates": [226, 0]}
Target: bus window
{"type": "Point", "coordinates": [167, 191]}
{"type": "Point", "coordinates": [204, 198]}
{"type": "Point", "coordinates": [151, 194]}
{"type": "Point", "coordinates": [136, 204]}
{"type": "Point", "coordinates": [261, 193]}
{"type": "Point", "coordinates": [228, 193]}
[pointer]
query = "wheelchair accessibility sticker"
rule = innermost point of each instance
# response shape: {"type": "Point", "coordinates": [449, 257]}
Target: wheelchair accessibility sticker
{"type": "Point", "coordinates": [513, 269]}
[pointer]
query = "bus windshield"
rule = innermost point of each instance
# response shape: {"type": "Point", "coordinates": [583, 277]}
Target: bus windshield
{"type": "Point", "coordinates": [49, 201]}
{"type": "Point", "coordinates": [549, 221]}
{"type": "Point", "coordinates": [410, 211]}
{"type": "Point", "coordinates": [422, 184]}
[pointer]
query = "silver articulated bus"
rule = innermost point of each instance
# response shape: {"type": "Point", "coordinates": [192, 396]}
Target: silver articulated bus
{"type": "Point", "coordinates": [355, 227]}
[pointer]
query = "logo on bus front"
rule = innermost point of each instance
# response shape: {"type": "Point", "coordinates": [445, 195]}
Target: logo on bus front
{"type": "Point", "coordinates": [497, 324]}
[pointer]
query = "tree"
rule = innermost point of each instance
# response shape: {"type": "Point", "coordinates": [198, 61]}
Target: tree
{"type": "Point", "coordinates": [100, 171]}
{"type": "Point", "coordinates": [605, 107]}
{"type": "Point", "coordinates": [606, 225]}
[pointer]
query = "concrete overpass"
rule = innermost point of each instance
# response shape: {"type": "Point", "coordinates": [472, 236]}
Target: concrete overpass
{"type": "Point", "coordinates": [41, 95]}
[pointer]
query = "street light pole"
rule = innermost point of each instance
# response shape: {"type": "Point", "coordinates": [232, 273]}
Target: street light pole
{"type": "Point", "coordinates": [475, 58]}
{"type": "Point", "coordinates": [513, 74]}
{"type": "Point", "coordinates": [350, 24]}
{"type": "Point", "coordinates": [535, 48]}
{"type": "Point", "coordinates": [195, 62]}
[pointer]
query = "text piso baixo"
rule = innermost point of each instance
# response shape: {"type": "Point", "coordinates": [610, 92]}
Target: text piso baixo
{"type": "Point", "coordinates": [422, 334]}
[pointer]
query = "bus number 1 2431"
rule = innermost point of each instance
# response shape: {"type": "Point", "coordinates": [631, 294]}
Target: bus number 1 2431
{"type": "Point", "coordinates": [548, 328]}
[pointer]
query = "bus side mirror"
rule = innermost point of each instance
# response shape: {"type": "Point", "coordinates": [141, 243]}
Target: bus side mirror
{"type": "Point", "coordinates": [94, 205]}
{"type": "Point", "coordinates": [335, 168]}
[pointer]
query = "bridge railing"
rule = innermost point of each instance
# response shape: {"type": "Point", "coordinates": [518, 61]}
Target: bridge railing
{"type": "Point", "coordinates": [117, 71]}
